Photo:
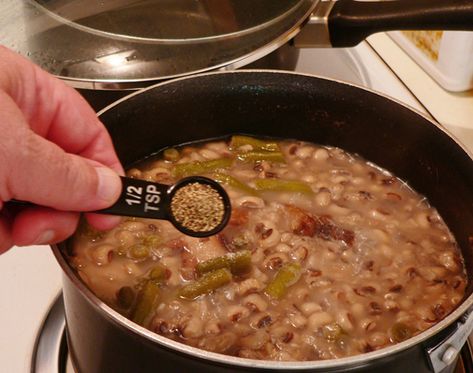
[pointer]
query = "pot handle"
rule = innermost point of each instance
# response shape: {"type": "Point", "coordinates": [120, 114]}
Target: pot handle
{"type": "Point", "coordinates": [345, 23]}
{"type": "Point", "coordinates": [445, 353]}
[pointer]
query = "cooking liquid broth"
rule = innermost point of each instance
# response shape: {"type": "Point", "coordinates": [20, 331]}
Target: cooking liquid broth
{"type": "Point", "coordinates": [344, 257]}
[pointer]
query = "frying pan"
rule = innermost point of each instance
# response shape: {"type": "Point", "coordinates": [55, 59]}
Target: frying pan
{"type": "Point", "coordinates": [129, 44]}
{"type": "Point", "coordinates": [282, 105]}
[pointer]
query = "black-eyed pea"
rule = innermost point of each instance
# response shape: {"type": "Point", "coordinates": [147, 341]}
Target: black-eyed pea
{"type": "Point", "coordinates": [282, 334]}
{"type": "Point", "coordinates": [339, 179]}
{"type": "Point", "coordinates": [196, 157]}
{"type": "Point", "coordinates": [448, 260]}
{"type": "Point", "coordinates": [368, 324]}
{"type": "Point", "coordinates": [212, 327]}
{"type": "Point", "coordinates": [308, 308]}
{"type": "Point", "coordinates": [387, 251]}
{"type": "Point", "coordinates": [248, 286]}
{"type": "Point", "coordinates": [134, 226]}
{"type": "Point", "coordinates": [436, 289]}
{"type": "Point", "coordinates": [318, 319]}
{"type": "Point", "coordinates": [125, 237]}
{"type": "Point", "coordinates": [134, 173]}
{"type": "Point", "coordinates": [407, 255]}
{"type": "Point", "coordinates": [391, 305]}
{"type": "Point", "coordinates": [422, 220]}
{"type": "Point", "coordinates": [348, 256]}
{"type": "Point", "coordinates": [380, 235]}
{"type": "Point", "coordinates": [251, 202]}
{"type": "Point", "coordinates": [455, 299]}
{"type": "Point", "coordinates": [304, 152]}
{"type": "Point", "coordinates": [323, 198]}
{"type": "Point", "coordinates": [158, 173]}
{"type": "Point", "coordinates": [358, 180]}
{"type": "Point", "coordinates": [424, 312]}
{"type": "Point", "coordinates": [173, 264]}
{"type": "Point", "coordinates": [308, 178]}
{"type": "Point", "coordinates": [132, 269]}
{"type": "Point", "coordinates": [328, 255]}
{"type": "Point", "coordinates": [255, 302]}
{"type": "Point", "coordinates": [208, 154]}
{"type": "Point", "coordinates": [256, 340]}
{"type": "Point", "coordinates": [352, 218]}
{"type": "Point", "coordinates": [336, 210]}
{"type": "Point", "coordinates": [321, 155]}
{"type": "Point", "coordinates": [245, 148]}
{"type": "Point", "coordinates": [297, 164]}
{"type": "Point", "coordinates": [287, 237]}
{"type": "Point", "coordinates": [271, 238]}
{"type": "Point", "coordinates": [336, 191]}
{"type": "Point", "coordinates": [102, 254]}
{"type": "Point", "coordinates": [300, 254]}
{"type": "Point", "coordinates": [357, 310]}
{"type": "Point", "coordinates": [260, 276]}
{"type": "Point", "coordinates": [404, 316]}
{"type": "Point", "coordinates": [230, 291]}
{"type": "Point", "coordinates": [427, 273]}
{"type": "Point", "coordinates": [376, 215]}
{"type": "Point", "coordinates": [301, 294]}
{"type": "Point", "coordinates": [193, 327]}
{"type": "Point", "coordinates": [297, 320]}
{"type": "Point", "coordinates": [378, 339]}
{"type": "Point", "coordinates": [345, 320]}
{"type": "Point", "coordinates": [220, 147]}
{"type": "Point", "coordinates": [321, 283]}
{"type": "Point", "coordinates": [263, 321]}
{"type": "Point", "coordinates": [283, 248]}
{"type": "Point", "coordinates": [235, 313]}
{"type": "Point", "coordinates": [275, 261]}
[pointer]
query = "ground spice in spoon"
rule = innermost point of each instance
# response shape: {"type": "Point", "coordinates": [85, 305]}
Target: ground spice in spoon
{"type": "Point", "coordinates": [197, 207]}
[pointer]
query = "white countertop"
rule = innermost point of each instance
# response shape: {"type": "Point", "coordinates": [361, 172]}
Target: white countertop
{"type": "Point", "coordinates": [30, 281]}
{"type": "Point", "coordinates": [453, 110]}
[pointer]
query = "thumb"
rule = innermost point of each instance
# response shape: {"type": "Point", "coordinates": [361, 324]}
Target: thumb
{"type": "Point", "coordinates": [41, 172]}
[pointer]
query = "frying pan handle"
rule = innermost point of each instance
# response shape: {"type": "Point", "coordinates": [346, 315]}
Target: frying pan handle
{"type": "Point", "coordinates": [345, 23]}
{"type": "Point", "coordinates": [350, 21]}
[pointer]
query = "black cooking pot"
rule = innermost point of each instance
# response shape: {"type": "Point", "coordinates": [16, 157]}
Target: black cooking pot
{"type": "Point", "coordinates": [283, 105]}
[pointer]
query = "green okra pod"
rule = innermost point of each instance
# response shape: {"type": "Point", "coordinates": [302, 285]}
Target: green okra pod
{"type": "Point", "coordinates": [287, 275]}
{"type": "Point", "coordinates": [146, 303]}
{"type": "Point", "coordinates": [234, 183]}
{"type": "Point", "coordinates": [198, 168]}
{"type": "Point", "coordinates": [259, 156]}
{"type": "Point", "coordinates": [206, 284]}
{"type": "Point", "coordinates": [238, 263]}
{"type": "Point", "coordinates": [257, 144]}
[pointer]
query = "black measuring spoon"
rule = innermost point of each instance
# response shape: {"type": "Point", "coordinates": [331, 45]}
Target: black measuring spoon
{"type": "Point", "coordinates": [197, 206]}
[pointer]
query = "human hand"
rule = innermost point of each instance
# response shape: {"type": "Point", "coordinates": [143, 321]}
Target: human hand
{"type": "Point", "coordinates": [54, 152]}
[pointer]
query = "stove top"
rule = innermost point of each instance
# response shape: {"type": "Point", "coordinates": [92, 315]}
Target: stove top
{"type": "Point", "coordinates": [31, 278]}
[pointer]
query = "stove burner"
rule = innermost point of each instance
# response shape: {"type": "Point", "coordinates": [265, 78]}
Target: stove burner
{"type": "Point", "coordinates": [51, 352]}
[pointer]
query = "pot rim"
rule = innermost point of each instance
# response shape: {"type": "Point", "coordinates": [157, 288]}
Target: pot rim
{"type": "Point", "coordinates": [356, 360]}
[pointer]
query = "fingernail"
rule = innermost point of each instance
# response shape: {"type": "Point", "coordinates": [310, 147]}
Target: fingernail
{"type": "Point", "coordinates": [109, 186]}
{"type": "Point", "coordinates": [45, 237]}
